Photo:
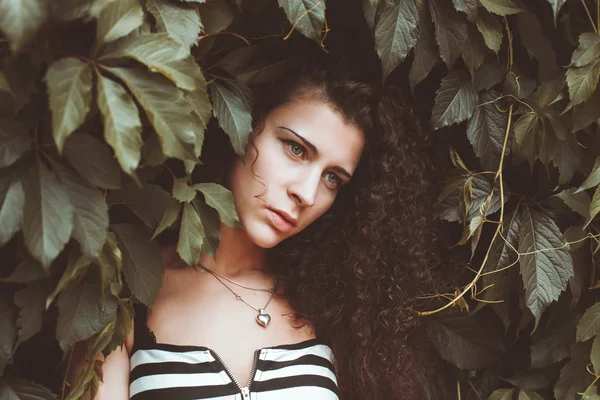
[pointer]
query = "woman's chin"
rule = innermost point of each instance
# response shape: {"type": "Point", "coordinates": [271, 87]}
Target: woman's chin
{"type": "Point", "coordinates": [264, 235]}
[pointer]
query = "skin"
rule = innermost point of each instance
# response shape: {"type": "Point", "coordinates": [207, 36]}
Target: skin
{"type": "Point", "coordinates": [296, 178]}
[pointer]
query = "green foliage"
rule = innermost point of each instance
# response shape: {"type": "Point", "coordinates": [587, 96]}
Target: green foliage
{"type": "Point", "coordinates": [90, 131]}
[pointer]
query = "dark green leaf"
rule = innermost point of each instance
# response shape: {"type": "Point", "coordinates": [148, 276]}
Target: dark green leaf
{"type": "Point", "coordinates": [464, 341]}
{"type": "Point", "coordinates": [491, 30]}
{"type": "Point", "coordinates": [180, 22]}
{"type": "Point", "coordinates": [574, 377]}
{"type": "Point", "coordinates": [8, 330]}
{"type": "Point", "coordinates": [489, 75]}
{"type": "Point", "coordinates": [11, 211]}
{"type": "Point", "coordinates": [450, 30]}
{"type": "Point", "coordinates": [469, 7]}
{"type": "Point", "coordinates": [216, 15]}
{"type": "Point", "coordinates": [166, 109]}
{"type": "Point", "coordinates": [538, 45]}
{"type": "Point", "coordinates": [588, 50]}
{"type": "Point", "coordinates": [20, 389]}
{"type": "Point", "coordinates": [396, 34]}
{"type": "Point", "coordinates": [47, 214]}
{"type": "Point", "coordinates": [122, 126]}
{"type": "Point", "coordinates": [307, 16]}
{"type": "Point", "coordinates": [594, 206]}
{"type": "Point", "coordinates": [567, 159]}
{"type": "Point", "coordinates": [81, 313]}
{"type": "Point", "coordinates": [502, 394]}
{"type": "Point", "coordinates": [20, 20]}
{"type": "Point", "coordinates": [170, 216]}
{"type": "Point", "coordinates": [455, 100]}
{"type": "Point", "coordinates": [211, 225]}
{"type": "Point", "coordinates": [25, 272]}
{"type": "Point", "coordinates": [587, 113]}
{"type": "Point", "coordinates": [486, 129]}
{"type": "Point", "coordinates": [551, 343]}
{"type": "Point", "coordinates": [232, 106]}
{"type": "Point", "coordinates": [90, 213]}
{"type": "Point", "coordinates": [545, 272]}
{"type": "Point", "coordinates": [548, 92]}
{"type": "Point", "coordinates": [534, 378]}
{"type": "Point", "coordinates": [578, 202]}
{"type": "Point", "coordinates": [527, 135]}
{"type": "Point", "coordinates": [501, 7]}
{"type": "Point", "coordinates": [77, 266]}
{"type": "Point", "coordinates": [32, 302]}
{"type": "Point", "coordinates": [142, 262]}
{"type": "Point", "coordinates": [160, 53]}
{"type": "Point", "coordinates": [191, 235]}
{"type": "Point", "coordinates": [426, 52]}
{"type": "Point", "coordinates": [582, 82]}
{"type": "Point", "coordinates": [221, 200]}
{"type": "Point", "coordinates": [93, 160]}
{"type": "Point", "coordinates": [69, 82]}
{"type": "Point", "coordinates": [474, 50]}
{"type": "Point", "coordinates": [14, 141]}
{"type": "Point", "coordinates": [148, 202]}
{"type": "Point", "coordinates": [525, 394]}
{"type": "Point", "coordinates": [118, 19]}
{"type": "Point", "coordinates": [593, 179]}
{"type": "Point", "coordinates": [589, 324]}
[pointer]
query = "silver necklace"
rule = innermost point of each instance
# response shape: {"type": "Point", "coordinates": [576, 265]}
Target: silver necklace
{"type": "Point", "coordinates": [262, 318]}
{"type": "Point", "coordinates": [270, 290]}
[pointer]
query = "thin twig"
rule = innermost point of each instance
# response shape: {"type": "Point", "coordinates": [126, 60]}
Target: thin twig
{"type": "Point", "coordinates": [205, 35]}
{"type": "Point", "coordinates": [587, 11]}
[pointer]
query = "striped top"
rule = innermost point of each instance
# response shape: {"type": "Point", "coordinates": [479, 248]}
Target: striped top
{"type": "Point", "coordinates": [166, 371]}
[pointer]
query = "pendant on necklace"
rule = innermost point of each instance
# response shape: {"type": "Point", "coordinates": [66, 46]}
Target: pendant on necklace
{"type": "Point", "coordinates": [262, 318]}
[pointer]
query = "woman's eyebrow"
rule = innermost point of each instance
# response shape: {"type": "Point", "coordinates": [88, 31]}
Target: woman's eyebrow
{"type": "Point", "coordinates": [313, 148]}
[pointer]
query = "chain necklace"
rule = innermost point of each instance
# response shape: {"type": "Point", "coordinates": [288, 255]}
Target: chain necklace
{"type": "Point", "coordinates": [271, 290]}
{"type": "Point", "coordinates": [262, 318]}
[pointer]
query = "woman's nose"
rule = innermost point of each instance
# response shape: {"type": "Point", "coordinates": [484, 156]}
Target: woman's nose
{"type": "Point", "coordinates": [304, 189]}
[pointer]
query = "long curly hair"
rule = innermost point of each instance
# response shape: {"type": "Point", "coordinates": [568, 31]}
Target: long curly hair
{"type": "Point", "coordinates": [355, 273]}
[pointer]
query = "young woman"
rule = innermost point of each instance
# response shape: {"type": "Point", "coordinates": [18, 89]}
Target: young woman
{"type": "Point", "coordinates": [313, 298]}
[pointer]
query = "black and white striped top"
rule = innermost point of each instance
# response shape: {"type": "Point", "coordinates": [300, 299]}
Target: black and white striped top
{"type": "Point", "coordinates": [174, 372]}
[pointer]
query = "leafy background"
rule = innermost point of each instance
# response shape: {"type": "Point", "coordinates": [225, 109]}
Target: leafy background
{"type": "Point", "coordinates": [104, 107]}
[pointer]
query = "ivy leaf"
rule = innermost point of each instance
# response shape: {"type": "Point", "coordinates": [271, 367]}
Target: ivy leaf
{"type": "Point", "coordinates": [200, 104]}
{"type": "Point", "coordinates": [11, 210]}
{"type": "Point", "coordinates": [232, 107]}
{"type": "Point", "coordinates": [396, 34]}
{"type": "Point", "coordinates": [217, 15]}
{"type": "Point", "coordinates": [31, 301]}
{"type": "Point", "coordinates": [526, 394]}
{"type": "Point", "coordinates": [47, 214]}
{"type": "Point", "coordinates": [527, 136]}
{"type": "Point", "coordinates": [148, 202]}
{"type": "Point", "coordinates": [166, 109]}
{"type": "Point", "coordinates": [455, 100]}
{"type": "Point", "coordinates": [594, 206]}
{"type": "Point", "coordinates": [191, 235]}
{"type": "Point", "coordinates": [142, 262]}
{"type": "Point", "coordinates": [182, 191]}
{"type": "Point", "coordinates": [588, 50]}
{"type": "Point", "coordinates": [491, 30]}
{"type": "Point", "coordinates": [464, 341]}
{"type": "Point", "coordinates": [21, 19]}
{"type": "Point", "coordinates": [69, 83]}
{"type": "Point", "coordinates": [551, 343]}
{"type": "Point", "coordinates": [502, 394]}
{"type": "Point", "coordinates": [469, 7]}
{"type": "Point", "coordinates": [589, 324]}
{"type": "Point", "coordinates": [307, 16]}
{"type": "Point", "coordinates": [538, 45]}
{"type": "Point", "coordinates": [586, 113]}
{"type": "Point", "coordinates": [77, 266]}
{"type": "Point", "coordinates": [593, 179]}
{"type": "Point", "coordinates": [26, 271]}
{"type": "Point", "coordinates": [181, 23]}
{"type": "Point", "coordinates": [578, 202]}
{"type": "Point", "coordinates": [501, 7]}
{"type": "Point", "coordinates": [221, 199]}
{"type": "Point", "coordinates": [548, 92]}
{"type": "Point", "coordinates": [211, 225]}
{"type": "Point", "coordinates": [81, 314]}
{"type": "Point", "coordinates": [159, 53]}
{"type": "Point", "coordinates": [545, 272]}
{"type": "Point", "coordinates": [486, 129]}
{"type": "Point", "coordinates": [567, 159]}
{"type": "Point", "coordinates": [122, 125]}
{"type": "Point", "coordinates": [556, 6]}
{"type": "Point", "coordinates": [574, 377]}
{"type": "Point", "coordinates": [14, 141]}
{"type": "Point", "coordinates": [474, 50]}
{"type": "Point", "coordinates": [118, 19]}
{"type": "Point", "coordinates": [170, 216]}
{"type": "Point", "coordinates": [489, 75]}
{"type": "Point", "coordinates": [8, 330]}
{"type": "Point", "coordinates": [426, 52]}
{"type": "Point", "coordinates": [93, 160]}
{"type": "Point", "coordinates": [450, 30]}
{"type": "Point", "coordinates": [90, 213]}
{"type": "Point", "coordinates": [12, 388]}
{"type": "Point", "coordinates": [582, 82]}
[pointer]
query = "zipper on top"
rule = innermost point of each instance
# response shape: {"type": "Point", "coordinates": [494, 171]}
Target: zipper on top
{"type": "Point", "coordinates": [245, 390]}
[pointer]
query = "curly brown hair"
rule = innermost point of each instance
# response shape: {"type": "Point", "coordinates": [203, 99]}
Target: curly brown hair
{"type": "Point", "coordinates": [356, 272]}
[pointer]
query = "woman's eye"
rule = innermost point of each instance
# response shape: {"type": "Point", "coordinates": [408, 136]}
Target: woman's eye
{"type": "Point", "coordinates": [296, 149]}
{"type": "Point", "coordinates": [333, 179]}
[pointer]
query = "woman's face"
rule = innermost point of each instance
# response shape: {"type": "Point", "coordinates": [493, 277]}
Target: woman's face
{"type": "Point", "coordinates": [304, 154]}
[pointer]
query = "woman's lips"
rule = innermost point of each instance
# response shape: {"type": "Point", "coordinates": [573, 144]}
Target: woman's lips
{"type": "Point", "coordinates": [280, 223]}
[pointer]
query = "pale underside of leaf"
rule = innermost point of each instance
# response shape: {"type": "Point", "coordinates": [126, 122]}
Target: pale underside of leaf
{"type": "Point", "coordinates": [118, 19]}
{"type": "Point", "coordinates": [21, 19]}
{"type": "Point", "coordinates": [501, 7]}
{"type": "Point", "coordinates": [396, 34]}
{"type": "Point", "coordinates": [588, 50]}
{"type": "Point", "coordinates": [556, 6]}
{"type": "Point", "coordinates": [11, 211]}
{"type": "Point", "coordinates": [69, 82]}
{"type": "Point", "coordinates": [181, 23]}
{"type": "Point", "coordinates": [307, 16]}
{"type": "Point", "coordinates": [469, 7]}
{"type": "Point", "coordinates": [122, 125]}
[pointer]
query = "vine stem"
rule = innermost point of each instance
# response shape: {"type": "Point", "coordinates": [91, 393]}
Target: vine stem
{"type": "Point", "coordinates": [304, 14]}
{"type": "Point", "coordinates": [64, 383]}
{"type": "Point", "coordinates": [498, 227]}
{"type": "Point", "coordinates": [587, 11]}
